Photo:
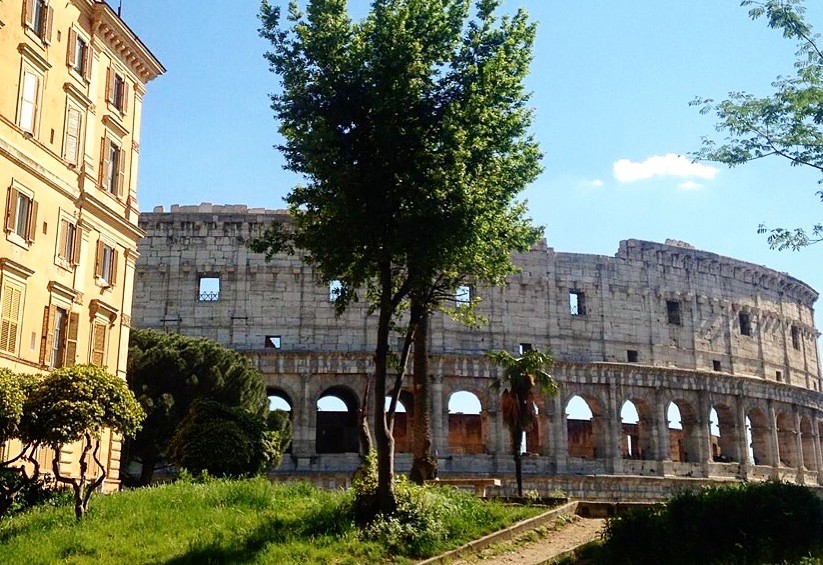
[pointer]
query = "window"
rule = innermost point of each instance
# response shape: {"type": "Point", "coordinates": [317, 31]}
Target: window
{"type": "Point", "coordinates": [105, 265]}
{"type": "Point", "coordinates": [12, 309]}
{"type": "Point", "coordinates": [716, 365]}
{"type": "Point", "coordinates": [79, 55]}
{"type": "Point", "coordinates": [21, 216]}
{"type": "Point", "coordinates": [745, 323]}
{"type": "Point", "coordinates": [38, 16]}
{"type": "Point", "coordinates": [577, 303]}
{"type": "Point", "coordinates": [463, 295]}
{"type": "Point", "coordinates": [99, 333]}
{"type": "Point", "coordinates": [71, 143]}
{"type": "Point", "coordinates": [779, 376]}
{"type": "Point", "coordinates": [335, 289]}
{"type": "Point", "coordinates": [29, 101]}
{"type": "Point", "coordinates": [632, 356]}
{"type": "Point", "coordinates": [117, 90]}
{"type": "Point", "coordinates": [673, 312]}
{"type": "Point", "coordinates": [112, 168]}
{"type": "Point", "coordinates": [209, 289]}
{"type": "Point", "coordinates": [796, 337]}
{"type": "Point", "coordinates": [272, 342]}
{"type": "Point", "coordinates": [524, 347]}
{"type": "Point", "coordinates": [69, 247]}
{"type": "Point", "coordinates": [60, 331]}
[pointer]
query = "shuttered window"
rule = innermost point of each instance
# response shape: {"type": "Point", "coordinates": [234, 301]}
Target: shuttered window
{"type": "Point", "coordinates": [10, 318]}
{"type": "Point", "coordinates": [71, 147]}
{"type": "Point", "coordinates": [117, 90]}
{"type": "Point", "coordinates": [21, 215]}
{"type": "Point", "coordinates": [105, 266]}
{"type": "Point", "coordinates": [39, 17]}
{"type": "Point", "coordinates": [78, 56]}
{"type": "Point", "coordinates": [98, 344]}
{"type": "Point", "coordinates": [29, 96]}
{"type": "Point", "coordinates": [112, 168]}
{"type": "Point", "coordinates": [60, 328]}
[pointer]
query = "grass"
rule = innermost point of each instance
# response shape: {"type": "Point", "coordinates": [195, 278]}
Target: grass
{"type": "Point", "coordinates": [252, 521]}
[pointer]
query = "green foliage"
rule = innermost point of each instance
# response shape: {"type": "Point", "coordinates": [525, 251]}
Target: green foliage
{"type": "Point", "coordinates": [72, 401]}
{"type": "Point", "coordinates": [14, 390]}
{"type": "Point", "coordinates": [167, 372]}
{"type": "Point", "coordinates": [227, 521]}
{"type": "Point", "coordinates": [744, 523]}
{"type": "Point", "coordinates": [280, 430]}
{"type": "Point", "coordinates": [786, 124]}
{"type": "Point", "coordinates": [41, 491]}
{"type": "Point", "coordinates": [224, 441]}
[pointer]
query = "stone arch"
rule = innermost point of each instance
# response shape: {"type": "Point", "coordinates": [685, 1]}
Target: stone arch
{"type": "Point", "coordinates": [758, 434]}
{"type": "Point", "coordinates": [337, 428]}
{"type": "Point", "coordinates": [724, 433]}
{"type": "Point", "coordinates": [467, 425]}
{"type": "Point", "coordinates": [586, 434]}
{"type": "Point", "coordinates": [807, 443]}
{"type": "Point", "coordinates": [684, 433]}
{"type": "Point", "coordinates": [786, 439]}
{"type": "Point", "coordinates": [402, 431]}
{"type": "Point", "coordinates": [636, 440]}
{"type": "Point", "coordinates": [279, 399]}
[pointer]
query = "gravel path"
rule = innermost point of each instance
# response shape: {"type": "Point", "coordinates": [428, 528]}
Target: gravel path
{"type": "Point", "coordinates": [539, 545]}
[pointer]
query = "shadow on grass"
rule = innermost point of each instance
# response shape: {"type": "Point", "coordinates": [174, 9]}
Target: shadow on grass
{"type": "Point", "coordinates": [234, 549]}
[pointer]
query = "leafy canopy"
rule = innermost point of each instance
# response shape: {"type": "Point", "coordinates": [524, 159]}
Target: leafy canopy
{"type": "Point", "coordinates": [14, 390]}
{"type": "Point", "coordinates": [787, 124]}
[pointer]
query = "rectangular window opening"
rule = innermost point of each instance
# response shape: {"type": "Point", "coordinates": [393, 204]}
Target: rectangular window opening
{"type": "Point", "coordinates": [209, 289]}
{"type": "Point", "coordinates": [779, 376]}
{"type": "Point", "coordinates": [463, 295]}
{"type": "Point", "coordinates": [524, 347]}
{"type": "Point", "coordinates": [745, 323]}
{"type": "Point", "coordinates": [632, 356]}
{"type": "Point", "coordinates": [796, 337]}
{"type": "Point", "coordinates": [716, 366]}
{"type": "Point", "coordinates": [577, 303]}
{"type": "Point", "coordinates": [673, 312]}
{"type": "Point", "coordinates": [335, 289]}
{"type": "Point", "coordinates": [272, 342]}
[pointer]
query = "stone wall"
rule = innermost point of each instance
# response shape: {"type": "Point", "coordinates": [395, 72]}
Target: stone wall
{"type": "Point", "coordinates": [655, 325]}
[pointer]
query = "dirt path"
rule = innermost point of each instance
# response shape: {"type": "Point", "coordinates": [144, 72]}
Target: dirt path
{"type": "Point", "coordinates": [539, 545]}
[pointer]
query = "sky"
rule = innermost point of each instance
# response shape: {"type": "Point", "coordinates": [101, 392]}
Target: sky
{"type": "Point", "coordinates": [611, 84]}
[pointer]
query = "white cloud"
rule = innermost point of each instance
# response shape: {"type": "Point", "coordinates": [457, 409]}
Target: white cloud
{"type": "Point", "coordinates": [596, 183]}
{"type": "Point", "coordinates": [668, 165]}
{"type": "Point", "coordinates": [689, 185]}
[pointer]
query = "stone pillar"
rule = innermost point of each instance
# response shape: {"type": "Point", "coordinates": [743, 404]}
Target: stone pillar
{"type": "Point", "coordinates": [775, 462]}
{"type": "Point", "coordinates": [664, 450]}
{"type": "Point", "coordinates": [439, 430]}
{"type": "Point", "coordinates": [493, 443]}
{"type": "Point", "coordinates": [742, 440]}
{"type": "Point", "coordinates": [704, 431]}
{"type": "Point", "coordinates": [305, 423]}
{"type": "Point", "coordinates": [560, 433]}
{"type": "Point", "coordinates": [798, 445]}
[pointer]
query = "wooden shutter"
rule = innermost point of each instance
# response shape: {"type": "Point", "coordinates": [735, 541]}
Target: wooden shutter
{"type": "Point", "coordinates": [47, 335]}
{"type": "Point", "coordinates": [64, 234]}
{"type": "Point", "coordinates": [110, 85]}
{"type": "Point", "coordinates": [71, 56]}
{"type": "Point", "coordinates": [124, 103]}
{"type": "Point", "coordinates": [10, 319]}
{"type": "Point", "coordinates": [71, 152]}
{"type": "Point", "coordinates": [87, 58]}
{"type": "Point", "coordinates": [71, 339]}
{"type": "Point", "coordinates": [78, 238]}
{"type": "Point", "coordinates": [113, 274]}
{"type": "Point", "coordinates": [32, 225]}
{"type": "Point", "coordinates": [98, 344]}
{"type": "Point", "coordinates": [121, 172]}
{"type": "Point", "coordinates": [105, 149]}
{"type": "Point", "coordinates": [98, 261]}
{"type": "Point", "coordinates": [28, 13]}
{"type": "Point", "coordinates": [47, 21]}
{"type": "Point", "coordinates": [11, 210]}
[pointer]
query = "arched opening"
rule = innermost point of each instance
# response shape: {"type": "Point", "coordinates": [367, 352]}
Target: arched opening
{"type": "Point", "coordinates": [757, 432]}
{"type": "Point", "coordinates": [786, 446]}
{"type": "Point", "coordinates": [279, 401]}
{"type": "Point", "coordinates": [465, 424]}
{"type": "Point", "coordinates": [402, 431]}
{"type": "Point", "coordinates": [723, 434]}
{"type": "Point", "coordinates": [337, 430]}
{"type": "Point", "coordinates": [807, 443]}
{"type": "Point", "coordinates": [684, 433]}
{"type": "Point", "coordinates": [636, 437]}
{"type": "Point", "coordinates": [585, 428]}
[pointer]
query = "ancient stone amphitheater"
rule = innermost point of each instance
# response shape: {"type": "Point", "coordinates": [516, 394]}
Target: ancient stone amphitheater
{"type": "Point", "coordinates": [692, 368]}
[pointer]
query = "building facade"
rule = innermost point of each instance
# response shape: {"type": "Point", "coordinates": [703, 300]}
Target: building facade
{"type": "Point", "coordinates": [73, 77]}
{"type": "Point", "coordinates": [715, 358]}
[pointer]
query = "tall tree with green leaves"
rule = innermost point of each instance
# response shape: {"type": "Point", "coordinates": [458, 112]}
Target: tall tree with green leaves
{"type": "Point", "coordinates": [520, 377]}
{"type": "Point", "coordinates": [787, 124]}
{"type": "Point", "coordinates": [410, 129]}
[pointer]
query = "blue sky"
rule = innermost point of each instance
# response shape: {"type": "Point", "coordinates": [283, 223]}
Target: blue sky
{"type": "Point", "coordinates": [611, 84]}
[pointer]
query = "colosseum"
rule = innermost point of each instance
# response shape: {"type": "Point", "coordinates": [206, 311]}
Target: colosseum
{"type": "Point", "coordinates": [676, 366]}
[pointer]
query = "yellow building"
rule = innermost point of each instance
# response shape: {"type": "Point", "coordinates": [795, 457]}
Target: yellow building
{"type": "Point", "coordinates": [72, 80]}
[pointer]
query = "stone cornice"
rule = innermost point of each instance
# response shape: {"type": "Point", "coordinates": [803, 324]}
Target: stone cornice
{"type": "Point", "coordinates": [124, 43]}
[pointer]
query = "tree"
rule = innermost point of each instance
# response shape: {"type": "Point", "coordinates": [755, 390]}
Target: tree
{"type": "Point", "coordinates": [410, 128]}
{"type": "Point", "coordinates": [517, 407]}
{"type": "Point", "coordinates": [74, 404]}
{"type": "Point", "coordinates": [225, 441]}
{"type": "Point", "coordinates": [14, 391]}
{"type": "Point", "coordinates": [167, 372]}
{"type": "Point", "coordinates": [786, 124]}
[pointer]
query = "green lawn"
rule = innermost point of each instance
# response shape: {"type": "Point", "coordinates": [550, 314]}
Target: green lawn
{"type": "Point", "coordinates": [251, 521]}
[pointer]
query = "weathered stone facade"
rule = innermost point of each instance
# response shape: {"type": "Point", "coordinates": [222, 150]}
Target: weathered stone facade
{"type": "Point", "coordinates": [654, 325]}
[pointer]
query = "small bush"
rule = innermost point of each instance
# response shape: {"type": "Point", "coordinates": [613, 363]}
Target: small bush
{"type": "Point", "coordinates": [44, 491]}
{"type": "Point", "coordinates": [744, 523]}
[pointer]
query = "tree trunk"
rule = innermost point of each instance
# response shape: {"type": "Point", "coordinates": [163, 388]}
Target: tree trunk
{"type": "Point", "coordinates": [517, 437]}
{"type": "Point", "coordinates": [147, 471]}
{"type": "Point", "coordinates": [384, 442]}
{"type": "Point", "coordinates": [424, 464]}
